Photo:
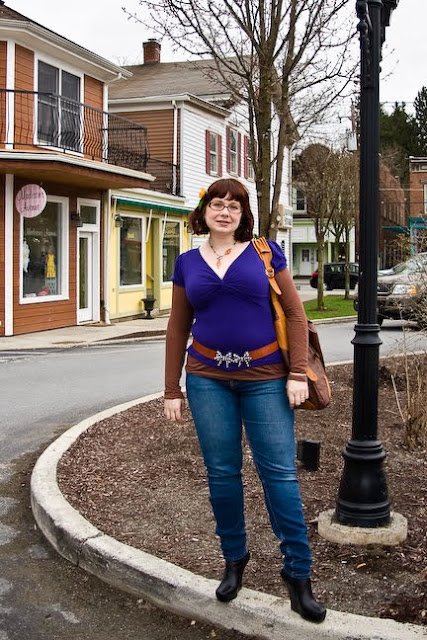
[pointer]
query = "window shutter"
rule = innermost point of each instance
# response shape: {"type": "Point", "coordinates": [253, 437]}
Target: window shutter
{"type": "Point", "coordinates": [239, 154]}
{"type": "Point", "coordinates": [219, 155]}
{"type": "Point", "coordinates": [207, 146]}
{"type": "Point", "coordinates": [227, 147]}
{"type": "Point", "coordinates": [255, 155]}
{"type": "Point", "coordinates": [245, 157]}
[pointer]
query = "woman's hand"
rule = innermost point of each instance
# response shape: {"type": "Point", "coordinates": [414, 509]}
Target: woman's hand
{"type": "Point", "coordinates": [297, 392]}
{"type": "Point", "coordinates": [173, 409]}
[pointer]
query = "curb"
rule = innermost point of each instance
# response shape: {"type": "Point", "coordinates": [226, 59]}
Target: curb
{"type": "Point", "coordinates": [335, 319]}
{"type": "Point", "coordinates": [169, 586]}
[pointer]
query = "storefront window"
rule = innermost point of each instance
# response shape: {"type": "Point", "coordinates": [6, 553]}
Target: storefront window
{"type": "Point", "coordinates": [41, 253]}
{"type": "Point", "coordinates": [131, 251]}
{"type": "Point", "coordinates": [170, 249]}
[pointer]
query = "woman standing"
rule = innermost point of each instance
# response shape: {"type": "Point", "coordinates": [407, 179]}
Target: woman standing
{"type": "Point", "coordinates": [236, 376]}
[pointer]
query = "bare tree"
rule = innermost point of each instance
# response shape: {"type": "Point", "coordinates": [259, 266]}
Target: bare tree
{"type": "Point", "coordinates": [346, 213]}
{"type": "Point", "coordinates": [316, 170]}
{"type": "Point", "coordinates": [287, 60]}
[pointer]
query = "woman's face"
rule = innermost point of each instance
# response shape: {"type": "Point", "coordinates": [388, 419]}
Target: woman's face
{"type": "Point", "coordinates": [223, 215]}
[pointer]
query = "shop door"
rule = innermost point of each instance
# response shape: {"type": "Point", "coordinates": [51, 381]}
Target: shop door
{"type": "Point", "coordinates": [86, 277]}
{"type": "Point", "coordinates": [307, 262]}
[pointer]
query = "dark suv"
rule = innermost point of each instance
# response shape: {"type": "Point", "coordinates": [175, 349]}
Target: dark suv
{"type": "Point", "coordinates": [334, 275]}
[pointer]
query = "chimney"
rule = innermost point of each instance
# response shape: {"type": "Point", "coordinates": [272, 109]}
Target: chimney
{"type": "Point", "coordinates": [151, 51]}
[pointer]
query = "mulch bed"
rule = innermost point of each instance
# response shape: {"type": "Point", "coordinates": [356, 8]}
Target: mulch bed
{"type": "Point", "coordinates": [140, 479]}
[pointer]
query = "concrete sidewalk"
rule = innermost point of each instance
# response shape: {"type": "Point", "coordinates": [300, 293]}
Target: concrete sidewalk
{"type": "Point", "coordinates": [85, 334]}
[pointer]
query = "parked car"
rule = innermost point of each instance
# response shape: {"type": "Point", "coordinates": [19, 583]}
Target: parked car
{"type": "Point", "coordinates": [401, 290]}
{"type": "Point", "coordinates": [334, 275]}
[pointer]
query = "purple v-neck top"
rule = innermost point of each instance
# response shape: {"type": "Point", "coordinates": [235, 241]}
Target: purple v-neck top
{"type": "Point", "coordinates": [232, 314]}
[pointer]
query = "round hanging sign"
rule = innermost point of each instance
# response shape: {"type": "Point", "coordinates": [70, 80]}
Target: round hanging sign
{"type": "Point", "coordinates": [30, 200]}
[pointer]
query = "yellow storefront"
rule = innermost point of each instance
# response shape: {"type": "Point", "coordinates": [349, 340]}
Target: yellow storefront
{"type": "Point", "coordinates": [148, 231]}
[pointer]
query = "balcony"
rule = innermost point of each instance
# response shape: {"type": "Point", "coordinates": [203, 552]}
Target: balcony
{"type": "Point", "coordinates": [30, 119]}
{"type": "Point", "coordinates": [166, 174]}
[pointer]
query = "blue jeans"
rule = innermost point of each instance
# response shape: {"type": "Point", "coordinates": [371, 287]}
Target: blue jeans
{"type": "Point", "coordinates": [219, 407]}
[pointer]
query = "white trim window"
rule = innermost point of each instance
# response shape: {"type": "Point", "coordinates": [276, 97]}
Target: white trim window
{"type": "Point", "coordinates": [171, 248]}
{"type": "Point", "coordinates": [248, 166]}
{"type": "Point", "coordinates": [233, 151]}
{"type": "Point", "coordinates": [44, 253]}
{"type": "Point", "coordinates": [89, 210]}
{"type": "Point", "coordinates": [299, 200]}
{"type": "Point", "coordinates": [213, 153]}
{"type": "Point", "coordinates": [59, 114]}
{"type": "Point", "coordinates": [131, 252]}
{"type": "Point", "coordinates": [425, 199]}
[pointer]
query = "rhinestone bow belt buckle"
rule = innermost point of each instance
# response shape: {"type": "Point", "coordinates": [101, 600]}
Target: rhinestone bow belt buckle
{"type": "Point", "coordinates": [232, 358]}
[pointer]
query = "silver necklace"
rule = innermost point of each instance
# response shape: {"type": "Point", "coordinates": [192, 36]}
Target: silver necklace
{"type": "Point", "coordinates": [219, 257]}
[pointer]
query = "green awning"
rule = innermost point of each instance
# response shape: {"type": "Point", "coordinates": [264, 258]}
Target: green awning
{"type": "Point", "coordinates": [151, 205]}
{"type": "Point", "coordinates": [397, 229]}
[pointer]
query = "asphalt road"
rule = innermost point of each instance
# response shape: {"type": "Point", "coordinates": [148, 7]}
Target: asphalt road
{"type": "Point", "coordinates": [43, 391]}
{"type": "Point", "coordinates": [336, 339]}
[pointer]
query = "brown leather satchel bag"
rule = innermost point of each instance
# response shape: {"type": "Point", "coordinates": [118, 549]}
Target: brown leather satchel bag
{"type": "Point", "coordinates": [318, 385]}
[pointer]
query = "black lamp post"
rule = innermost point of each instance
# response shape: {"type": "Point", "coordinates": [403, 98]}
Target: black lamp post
{"type": "Point", "coordinates": [363, 498]}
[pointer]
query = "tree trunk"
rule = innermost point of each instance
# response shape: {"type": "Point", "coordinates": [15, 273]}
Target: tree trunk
{"type": "Point", "coordinates": [275, 214]}
{"type": "Point", "coordinates": [264, 155]}
{"type": "Point", "coordinates": [347, 264]}
{"type": "Point", "coordinates": [320, 237]}
{"type": "Point", "coordinates": [336, 249]}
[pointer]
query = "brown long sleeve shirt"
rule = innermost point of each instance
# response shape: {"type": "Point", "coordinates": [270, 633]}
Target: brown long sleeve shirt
{"type": "Point", "coordinates": [179, 329]}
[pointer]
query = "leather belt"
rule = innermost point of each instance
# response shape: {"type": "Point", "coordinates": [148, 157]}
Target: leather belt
{"type": "Point", "coordinates": [228, 358]}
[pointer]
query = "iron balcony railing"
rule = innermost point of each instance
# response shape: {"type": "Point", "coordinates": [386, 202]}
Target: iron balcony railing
{"type": "Point", "coordinates": [167, 176]}
{"type": "Point", "coordinates": [34, 118]}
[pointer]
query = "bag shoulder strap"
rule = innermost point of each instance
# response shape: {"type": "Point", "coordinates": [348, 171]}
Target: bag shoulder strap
{"type": "Point", "coordinates": [262, 247]}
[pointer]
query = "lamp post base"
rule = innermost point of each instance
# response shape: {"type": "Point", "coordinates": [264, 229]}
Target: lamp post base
{"type": "Point", "coordinates": [392, 534]}
{"type": "Point", "coordinates": [363, 498]}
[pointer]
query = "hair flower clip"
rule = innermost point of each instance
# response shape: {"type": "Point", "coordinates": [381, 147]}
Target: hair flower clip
{"type": "Point", "coordinates": [202, 194]}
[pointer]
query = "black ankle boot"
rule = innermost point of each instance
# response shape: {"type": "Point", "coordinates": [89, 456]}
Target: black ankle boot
{"type": "Point", "coordinates": [232, 580]}
{"type": "Point", "coordinates": [302, 600]}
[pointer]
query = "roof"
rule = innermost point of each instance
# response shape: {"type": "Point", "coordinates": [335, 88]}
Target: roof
{"type": "Point", "coordinates": [195, 77]}
{"type": "Point", "coordinates": [6, 13]}
{"type": "Point", "coordinates": [9, 18]}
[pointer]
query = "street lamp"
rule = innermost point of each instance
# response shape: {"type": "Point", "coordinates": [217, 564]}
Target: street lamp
{"type": "Point", "coordinates": [363, 497]}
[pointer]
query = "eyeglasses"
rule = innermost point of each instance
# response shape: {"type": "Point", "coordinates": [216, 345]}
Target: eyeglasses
{"type": "Point", "coordinates": [233, 207]}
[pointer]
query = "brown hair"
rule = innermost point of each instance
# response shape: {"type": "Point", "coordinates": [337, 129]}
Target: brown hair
{"type": "Point", "coordinates": [219, 189]}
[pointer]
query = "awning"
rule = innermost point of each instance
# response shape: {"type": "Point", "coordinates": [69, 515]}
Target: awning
{"type": "Point", "coordinates": [152, 205]}
{"type": "Point", "coordinates": [397, 229]}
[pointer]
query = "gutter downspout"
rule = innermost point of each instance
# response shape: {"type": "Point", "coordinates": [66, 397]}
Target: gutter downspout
{"type": "Point", "coordinates": [175, 147]}
{"type": "Point", "coordinates": [107, 239]}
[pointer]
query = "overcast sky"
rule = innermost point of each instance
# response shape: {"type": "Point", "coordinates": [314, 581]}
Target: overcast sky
{"type": "Point", "coordinates": [101, 26]}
